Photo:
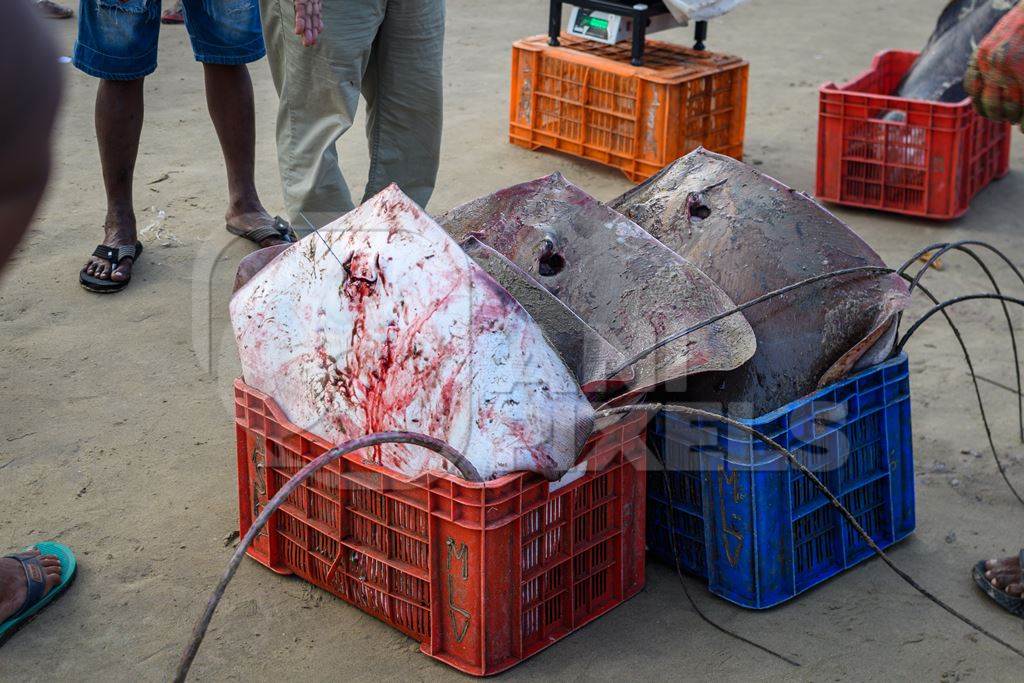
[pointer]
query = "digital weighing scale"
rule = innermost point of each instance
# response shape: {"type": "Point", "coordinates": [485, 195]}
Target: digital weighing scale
{"type": "Point", "coordinates": [610, 22]}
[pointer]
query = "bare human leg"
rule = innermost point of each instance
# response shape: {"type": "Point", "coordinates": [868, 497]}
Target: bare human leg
{"type": "Point", "coordinates": [229, 98]}
{"type": "Point", "coordinates": [119, 109]}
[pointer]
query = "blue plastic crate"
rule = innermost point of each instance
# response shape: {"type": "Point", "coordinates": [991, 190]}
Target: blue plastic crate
{"type": "Point", "coordinates": [755, 527]}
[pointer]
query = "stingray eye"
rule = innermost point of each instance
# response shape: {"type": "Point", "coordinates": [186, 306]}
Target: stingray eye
{"type": "Point", "coordinates": [699, 211]}
{"type": "Point", "coordinates": [550, 262]}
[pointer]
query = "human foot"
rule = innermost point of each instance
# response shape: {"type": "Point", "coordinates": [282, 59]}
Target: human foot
{"type": "Point", "coordinates": [14, 585]}
{"type": "Point", "coordinates": [119, 231]}
{"type": "Point", "coordinates": [258, 226]}
{"type": "Point", "coordinates": [1005, 575]}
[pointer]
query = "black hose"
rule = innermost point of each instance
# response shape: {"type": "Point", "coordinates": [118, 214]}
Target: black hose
{"type": "Point", "coordinates": [682, 581]}
{"type": "Point", "coordinates": [311, 468]}
{"type": "Point", "coordinates": [661, 343]}
{"type": "Point", "coordinates": [850, 519]}
{"type": "Point", "coordinates": [970, 243]}
{"type": "Point", "coordinates": [977, 390]}
{"type": "Point", "coordinates": [940, 308]}
{"type": "Point", "coordinates": [915, 282]}
{"type": "Point", "coordinates": [946, 304]}
{"type": "Point", "coordinates": [960, 246]}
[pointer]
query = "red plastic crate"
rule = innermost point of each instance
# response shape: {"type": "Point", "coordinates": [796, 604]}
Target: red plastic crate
{"type": "Point", "coordinates": [931, 164]}
{"type": "Point", "coordinates": [483, 575]}
{"type": "Point", "coordinates": [586, 99]}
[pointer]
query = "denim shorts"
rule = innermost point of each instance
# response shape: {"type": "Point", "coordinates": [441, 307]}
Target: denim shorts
{"type": "Point", "coordinates": [117, 39]}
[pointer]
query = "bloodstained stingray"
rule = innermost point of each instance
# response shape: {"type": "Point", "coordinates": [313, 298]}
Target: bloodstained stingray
{"type": "Point", "coordinates": [751, 234]}
{"type": "Point", "coordinates": [630, 288]}
{"type": "Point", "coordinates": [394, 327]}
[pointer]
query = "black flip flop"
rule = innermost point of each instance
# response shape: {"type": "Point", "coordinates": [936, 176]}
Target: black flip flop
{"type": "Point", "coordinates": [1014, 606]}
{"type": "Point", "coordinates": [281, 230]}
{"type": "Point", "coordinates": [114, 255]}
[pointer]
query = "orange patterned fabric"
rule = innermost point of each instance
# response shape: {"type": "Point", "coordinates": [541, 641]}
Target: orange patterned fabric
{"type": "Point", "coordinates": [995, 77]}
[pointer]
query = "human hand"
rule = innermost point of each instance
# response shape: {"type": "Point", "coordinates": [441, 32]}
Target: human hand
{"type": "Point", "coordinates": [308, 20]}
{"type": "Point", "coordinates": [995, 76]}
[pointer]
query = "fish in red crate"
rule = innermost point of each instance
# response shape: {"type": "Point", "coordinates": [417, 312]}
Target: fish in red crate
{"type": "Point", "coordinates": [381, 322]}
{"type": "Point", "coordinates": [938, 73]}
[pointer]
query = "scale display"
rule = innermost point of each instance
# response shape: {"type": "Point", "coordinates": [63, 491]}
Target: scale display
{"type": "Point", "coordinates": [606, 27]}
{"type": "Point", "coordinates": [592, 24]}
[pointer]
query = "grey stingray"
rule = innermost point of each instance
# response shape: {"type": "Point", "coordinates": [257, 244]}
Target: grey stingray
{"type": "Point", "coordinates": [938, 73]}
{"type": "Point", "coordinates": [630, 288]}
{"type": "Point", "coordinates": [588, 355]}
{"type": "Point", "coordinates": [752, 235]}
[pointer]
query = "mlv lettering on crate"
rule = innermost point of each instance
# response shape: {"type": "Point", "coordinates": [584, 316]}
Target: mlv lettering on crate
{"type": "Point", "coordinates": [734, 511]}
{"type": "Point", "coordinates": [482, 575]}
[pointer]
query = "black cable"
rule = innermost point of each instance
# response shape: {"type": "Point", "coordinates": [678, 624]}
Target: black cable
{"type": "Point", "coordinates": [850, 519]}
{"type": "Point", "coordinates": [995, 383]}
{"type": "Point", "coordinates": [971, 243]}
{"type": "Point", "coordinates": [661, 343]}
{"type": "Point", "coordinates": [974, 243]}
{"type": "Point", "coordinates": [796, 285]}
{"type": "Point", "coordinates": [960, 246]}
{"type": "Point", "coordinates": [878, 270]}
{"type": "Point", "coordinates": [977, 390]}
{"type": "Point", "coordinates": [682, 579]}
{"type": "Point", "coordinates": [311, 468]}
{"type": "Point", "coordinates": [939, 307]}
{"type": "Point", "coordinates": [946, 304]}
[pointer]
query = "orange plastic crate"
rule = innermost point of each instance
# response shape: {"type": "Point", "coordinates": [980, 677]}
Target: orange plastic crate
{"type": "Point", "coordinates": [586, 99]}
{"type": "Point", "coordinates": [482, 575]}
{"type": "Point", "coordinates": [930, 164]}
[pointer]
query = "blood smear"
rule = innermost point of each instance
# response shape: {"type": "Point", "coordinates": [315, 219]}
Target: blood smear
{"type": "Point", "coordinates": [398, 329]}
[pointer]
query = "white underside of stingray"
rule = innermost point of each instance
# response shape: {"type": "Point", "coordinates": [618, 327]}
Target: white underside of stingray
{"type": "Point", "coordinates": [398, 329]}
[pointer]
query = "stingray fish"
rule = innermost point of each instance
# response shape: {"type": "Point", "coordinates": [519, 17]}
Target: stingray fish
{"type": "Point", "coordinates": [589, 356]}
{"type": "Point", "coordinates": [628, 287]}
{"type": "Point", "coordinates": [381, 322]}
{"type": "Point", "coordinates": [938, 73]}
{"type": "Point", "coordinates": [751, 234]}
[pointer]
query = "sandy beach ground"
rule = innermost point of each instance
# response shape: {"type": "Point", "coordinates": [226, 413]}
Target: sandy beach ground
{"type": "Point", "coordinates": [116, 435]}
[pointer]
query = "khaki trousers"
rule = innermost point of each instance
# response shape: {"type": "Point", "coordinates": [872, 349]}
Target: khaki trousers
{"type": "Point", "coordinates": [390, 51]}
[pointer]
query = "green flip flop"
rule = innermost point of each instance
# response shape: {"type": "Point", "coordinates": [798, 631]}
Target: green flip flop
{"type": "Point", "coordinates": [37, 597]}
